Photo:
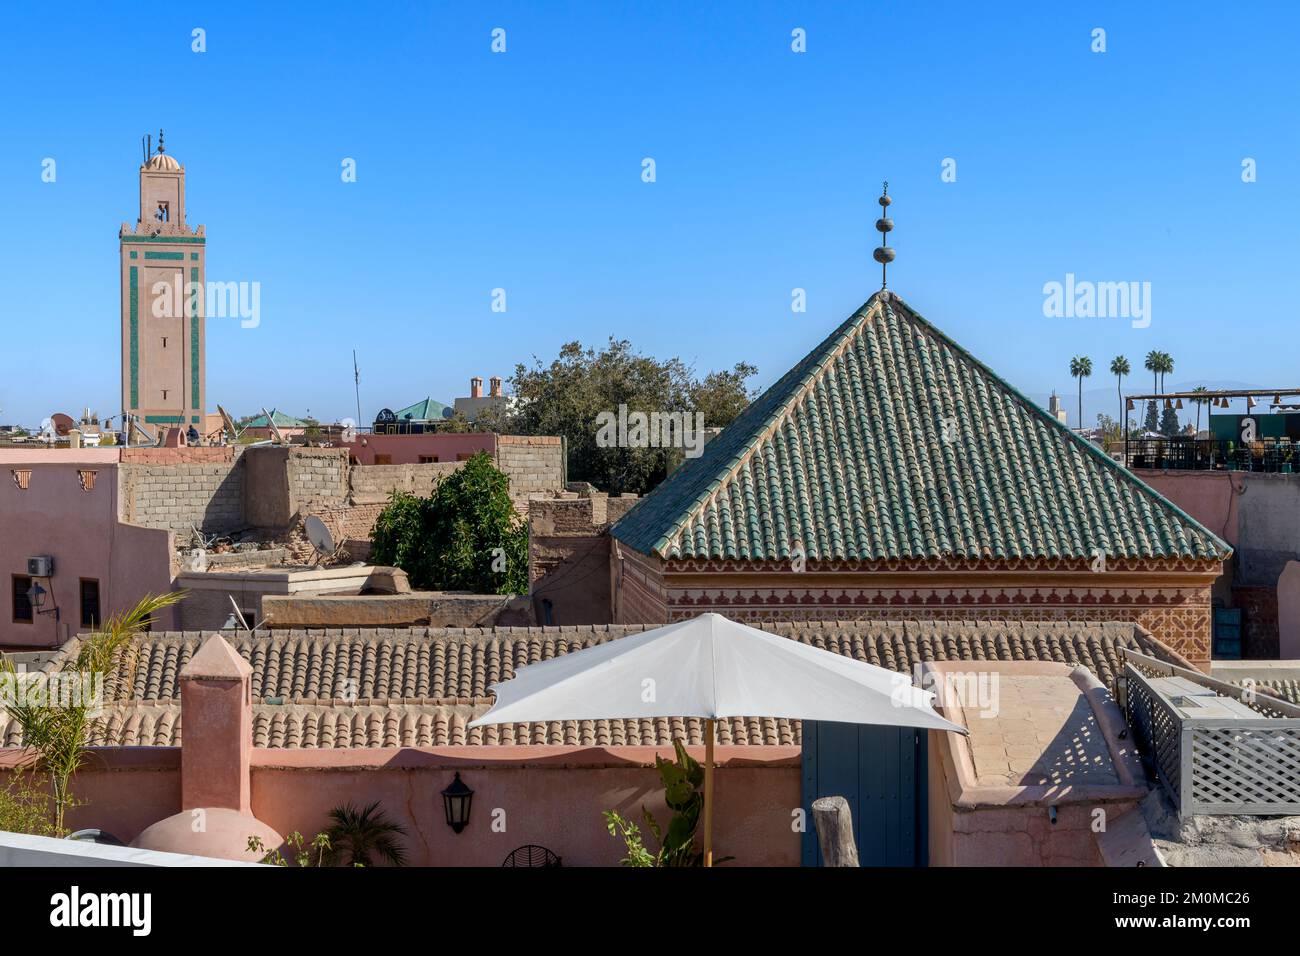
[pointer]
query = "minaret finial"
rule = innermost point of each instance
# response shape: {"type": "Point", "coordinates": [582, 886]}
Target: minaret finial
{"type": "Point", "coordinates": [884, 255]}
{"type": "Point", "coordinates": [160, 140]}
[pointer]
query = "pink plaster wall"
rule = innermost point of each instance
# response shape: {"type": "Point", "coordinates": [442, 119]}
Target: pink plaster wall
{"type": "Point", "coordinates": [81, 530]}
{"type": "Point", "coordinates": [547, 795]}
{"type": "Point", "coordinates": [407, 449]}
{"type": "Point", "coordinates": [1205, 495]}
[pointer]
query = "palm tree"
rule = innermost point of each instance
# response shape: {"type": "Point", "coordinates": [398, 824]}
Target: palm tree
{"type": "Point", "coordinates": [1198, 402]}
{"type": "Point", "coordinates": [357, 834]}
{"type": "Point", "coordinates": [1080, 368]}
{"type": "Point", "coordinates": [1119, 367]}
{"type": "Point", "coordinates": [1166, 365]}
{"type": "Point", "coordinates": [1152, 365]}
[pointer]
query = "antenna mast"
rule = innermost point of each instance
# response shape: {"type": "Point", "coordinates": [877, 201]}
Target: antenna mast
{"type": "Point", "coordinates": [356, 378]}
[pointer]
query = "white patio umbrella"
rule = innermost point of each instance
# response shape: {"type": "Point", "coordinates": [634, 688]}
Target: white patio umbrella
{"type": "Point", "coordinates": [711, 667]}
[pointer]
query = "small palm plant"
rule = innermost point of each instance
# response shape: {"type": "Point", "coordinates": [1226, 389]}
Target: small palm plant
{"type": "Point", "coordinates": [358, 836]}
{"type": "Point", "coordinates": [59, 731]}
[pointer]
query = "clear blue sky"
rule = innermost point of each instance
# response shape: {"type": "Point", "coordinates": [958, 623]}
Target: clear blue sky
{"type": "Point", "coordinates": [523, 171]}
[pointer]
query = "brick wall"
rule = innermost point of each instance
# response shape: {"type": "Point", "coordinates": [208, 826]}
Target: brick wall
{"type": "Point", "coordinates": [162, 489]}
{"type": "Point", "coordinates": [317, 477]}
{"type": "Point", "coordinates": [534, 464]}
{"type": "Point", "coordinates": [351, 526]}
{"type": "Point", "coordinates": [224, 490]}
{"type": "Point", "coordinates": [375, 484]}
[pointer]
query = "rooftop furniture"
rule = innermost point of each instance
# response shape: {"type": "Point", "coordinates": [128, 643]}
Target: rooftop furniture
{"type": "Point", "coordinates": [531, 856]}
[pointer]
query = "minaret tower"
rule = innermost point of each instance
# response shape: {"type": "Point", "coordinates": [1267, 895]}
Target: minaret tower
{"type": "Point", "coordinates": [163, 278]}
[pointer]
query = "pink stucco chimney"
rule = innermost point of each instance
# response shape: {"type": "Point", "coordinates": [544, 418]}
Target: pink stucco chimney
{"type": "Point", "coordinates": [217, 728]}
{"type": "Point", "coordinates": [476, 387]}
{"type": "Point", "coordinates": [494, 384]}
{"type": "Point", "coordinates": [216, 818]}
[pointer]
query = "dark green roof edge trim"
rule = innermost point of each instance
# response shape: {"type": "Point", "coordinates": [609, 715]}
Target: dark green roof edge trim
{"type": "Point", "coordinates": [192, 240]}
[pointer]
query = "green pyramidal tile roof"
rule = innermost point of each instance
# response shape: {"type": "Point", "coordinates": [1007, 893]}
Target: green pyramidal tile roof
{"type": "Point", "coordinates": [891, 441]}
{"type": "Point", "coordinates": [280, 418]}
{"type": "Point", "coordinates": [428, 410]}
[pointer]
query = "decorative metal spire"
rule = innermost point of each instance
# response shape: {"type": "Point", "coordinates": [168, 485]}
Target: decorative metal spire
{"type": "Point", "coordinates": [160, 140]}
{"type": "Point", "coordinates": [883, 254]}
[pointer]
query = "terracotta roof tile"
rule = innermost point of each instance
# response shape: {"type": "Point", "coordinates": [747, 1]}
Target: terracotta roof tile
{"type": "Point", "coordinates": [420, 687]}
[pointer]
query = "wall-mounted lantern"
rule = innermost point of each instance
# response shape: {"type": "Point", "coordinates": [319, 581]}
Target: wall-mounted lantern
{"type": "Point", "coordinates": [36, 595]}
{"type": "Point", "coordinates": [456, 800]}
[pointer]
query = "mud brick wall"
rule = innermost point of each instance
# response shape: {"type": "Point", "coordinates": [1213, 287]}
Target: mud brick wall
{"type": "Point", "coordinates": [569, 557]}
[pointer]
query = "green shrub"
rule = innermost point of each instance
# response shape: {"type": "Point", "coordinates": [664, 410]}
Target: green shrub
{"type": "Point", "coordinates": [466, 536]}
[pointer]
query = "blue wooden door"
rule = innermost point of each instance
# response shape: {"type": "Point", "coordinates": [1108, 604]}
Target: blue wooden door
{"type": "Point", "coordinates": [881, 771]}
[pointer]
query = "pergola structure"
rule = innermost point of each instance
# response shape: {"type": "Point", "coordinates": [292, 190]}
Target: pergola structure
{"type": "Point", "coordinates": [1254, 444]}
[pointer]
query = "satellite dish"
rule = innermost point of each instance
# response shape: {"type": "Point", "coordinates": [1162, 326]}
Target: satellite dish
{"type": "Point", "coordinates": [62, 424]}
{"type": "Point", "coordinates": [319, 535]}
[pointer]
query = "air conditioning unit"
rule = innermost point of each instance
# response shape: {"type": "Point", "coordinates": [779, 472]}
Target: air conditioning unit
{"type": "Point", "coordinates": [41, 566]}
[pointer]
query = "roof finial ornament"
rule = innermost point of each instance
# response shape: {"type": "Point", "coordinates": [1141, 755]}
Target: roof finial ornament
{"type": "Point", "coordinates": [160, 140]}
{"type": "Point", "coordinates": [883, 254]}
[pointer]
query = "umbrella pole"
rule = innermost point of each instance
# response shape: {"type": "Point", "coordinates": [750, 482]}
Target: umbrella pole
{"type": "Point", "coordinates": [708, 792]}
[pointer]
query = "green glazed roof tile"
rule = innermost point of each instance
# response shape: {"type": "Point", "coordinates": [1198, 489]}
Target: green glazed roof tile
{"type": "Point", "coordinates": [847, 457]}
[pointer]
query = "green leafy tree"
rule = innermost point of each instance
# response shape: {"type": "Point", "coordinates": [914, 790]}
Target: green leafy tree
{"type": "Point", "coordinates": [357, 837]}
{"type": "Point", "coordinates": [1169, 424]}
{"type": "Point", "coordinates": [566, 396]}
{"type": "Point", "coordinates": [312, 431]}
{"type": "Point", "coordinates": [466, 536]}
{"type": "Point", "coordinates": [1109, 428]}
{"type": "Point", "coordinates": [1151, 422]}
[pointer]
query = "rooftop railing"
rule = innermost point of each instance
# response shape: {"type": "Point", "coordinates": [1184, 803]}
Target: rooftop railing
{"type": "Point", "coordinates": [1279, 455]}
